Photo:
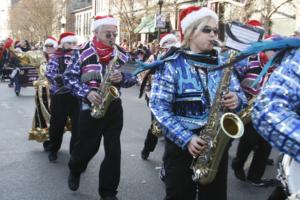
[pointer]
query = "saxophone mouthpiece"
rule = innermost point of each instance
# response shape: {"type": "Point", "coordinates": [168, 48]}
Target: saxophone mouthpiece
{"type": "Point", "coordinates": [215, 43]}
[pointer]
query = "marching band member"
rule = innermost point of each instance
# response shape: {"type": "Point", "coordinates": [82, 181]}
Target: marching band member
{"type": "Point", "coordinates": [251, 140]}
{"type": "Point", "coordinates": [84, 75]}
{"type": "Point", "coordinates": [276, 111]}
{"type": "Point", "coordinates": [41, 119]}
{"type": "Point", "coordinates": [20, 46]}
{"type": "Point", "coordinates": [167, 41]}
{"type": "Point", "coordinates": [183, 90]}
{"type": "Point", "coordinates": [63, 103]}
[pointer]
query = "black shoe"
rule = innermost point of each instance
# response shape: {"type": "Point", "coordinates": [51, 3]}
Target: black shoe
{"type": "Point", "coordinates": [52, 156]}
{"type": "Point", "coordinates": [109, 198]}
{"type": "Point", "coordinates": [17, 93]}
{"type": "Point", "coordinates": [145, 154]}
{"type": "Point", "coordinates": [162, 174]}
{"type": "Point", "coordinates": [270, 161]}
{"type": "Point", "coordinates": [73, 181]}
{"type": "Point", "coordinates": [238, 172]}
{"type": "Point", "coordinates": [263, 182]}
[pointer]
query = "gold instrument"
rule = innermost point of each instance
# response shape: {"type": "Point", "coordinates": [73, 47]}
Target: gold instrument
{"type": "Point", "coordinates": [30, 58]}
{"type": "Point", "coordinates": [245, 115]}
{"type": "Point", "coordinates": [42, 102]}
{"type": "Point", "coordinates": [156, 129]}
{"type": "Point", "coordinates": [106, 90]}
{"type": "Point", "coordinates": [220, 129]}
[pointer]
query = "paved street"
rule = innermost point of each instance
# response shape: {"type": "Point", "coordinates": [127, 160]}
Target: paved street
{"type": "Point", "coordinates": [26, 174]}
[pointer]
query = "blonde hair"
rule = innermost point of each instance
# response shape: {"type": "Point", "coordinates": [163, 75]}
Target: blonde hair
{"type": "Point", "coordinates": [194, 28]}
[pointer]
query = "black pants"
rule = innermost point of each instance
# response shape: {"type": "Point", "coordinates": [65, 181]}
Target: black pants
{"type": "Point", "coordinates": [251, 140]}
{"type": "Point", "coordinates": [278, 194]}
{"type": "Point", "coordinates": [63, 106]}
{"type": "Point", "coordinates": [91, 131]}
{"type": "Point", "coordinates": [151, 140]}
{"type": "Point", "coordinates": [179, 183]}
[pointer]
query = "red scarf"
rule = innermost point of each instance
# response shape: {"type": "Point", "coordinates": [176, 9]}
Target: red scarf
{"type": "Point", "coordinates": [1, 54]}
{"type": "Point", "coordinates": [104, 51]}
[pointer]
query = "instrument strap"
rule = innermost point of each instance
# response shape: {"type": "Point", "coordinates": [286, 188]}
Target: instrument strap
{"type": "Point", "coordinates": [204, 86]}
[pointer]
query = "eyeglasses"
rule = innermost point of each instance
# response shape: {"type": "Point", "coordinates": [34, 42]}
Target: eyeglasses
{"type": "Point", "coordinates": [109, 35]}
{"type": "Point", "coordinates": [71, 43]}
{"type": "Point", "coordinates": [49, 46]}
{"type": "Point", "coordinates": [208, 30]}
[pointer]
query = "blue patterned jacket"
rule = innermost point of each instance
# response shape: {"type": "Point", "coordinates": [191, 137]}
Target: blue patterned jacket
{"type": "Point", "coordinates": [179, 100]}
{"type": "Point", "coordinates": [276, 111]}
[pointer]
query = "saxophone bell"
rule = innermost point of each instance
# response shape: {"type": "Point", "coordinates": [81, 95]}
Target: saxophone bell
{"type": "Point", "coordinates": [232, 125]}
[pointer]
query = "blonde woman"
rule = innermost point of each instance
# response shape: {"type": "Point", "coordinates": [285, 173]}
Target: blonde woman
{"type": "Point", "coordinates": [183, 90]}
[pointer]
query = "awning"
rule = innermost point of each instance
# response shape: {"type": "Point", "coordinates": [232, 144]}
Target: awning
{"type": "Point", "coordinates": [146, 26]}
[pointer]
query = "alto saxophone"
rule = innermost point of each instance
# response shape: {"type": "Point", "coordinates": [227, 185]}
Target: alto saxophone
{"type": "Point", "coordinates": [245, 115]}
{"type": "Point", "coordinates": [221, 127]}
{"type": "Point", "coordinates": [106, 90]}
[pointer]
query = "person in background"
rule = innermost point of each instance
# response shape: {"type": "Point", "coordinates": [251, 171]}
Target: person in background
{"type": "Point", "coordinates": [41, 119]}
{"type": "Point", "coordinates": [20, 46]}
{"type": "Point", "coordinates": [167, 41]}
{"type": "Point", "coordinates": [4, 59]}
{"type": "Point", "coordinates": [251, 140]}
{"type": "Point", "coordinates": [63, 103]}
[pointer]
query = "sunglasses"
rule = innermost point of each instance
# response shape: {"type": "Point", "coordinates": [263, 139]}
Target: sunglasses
{"type": "Point", "coordinates": [70, 43]}
{"type": "Point", "coordinates": [208, 30]}
{"type": "Point", "coordinates": [110, 35]}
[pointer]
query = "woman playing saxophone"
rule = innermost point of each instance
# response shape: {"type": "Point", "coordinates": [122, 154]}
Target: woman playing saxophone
{"type": "Point", "coordinates": [184, 87]}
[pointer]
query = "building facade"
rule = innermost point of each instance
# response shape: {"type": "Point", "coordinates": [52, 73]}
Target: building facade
{"type": "Point", "coordinates": [83, 20]}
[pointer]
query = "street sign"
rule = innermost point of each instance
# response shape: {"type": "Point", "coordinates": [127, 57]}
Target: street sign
{"type": "Point", "coordinates": [160, 20]}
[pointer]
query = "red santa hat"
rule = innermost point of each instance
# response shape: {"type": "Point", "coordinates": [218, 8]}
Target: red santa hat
{"type": "Point", "coordinates": [255, 23]}
{"type": "Point", "coordinates": [51, 41]}
{"type": "Point", "coordinates": [168, 40]}
{"type": "Point", "coordinates": [104, 20]}
{"type": "Point", "coordinates": [67, 37]}
{"type": "Point", "coordinates": [192, 14]}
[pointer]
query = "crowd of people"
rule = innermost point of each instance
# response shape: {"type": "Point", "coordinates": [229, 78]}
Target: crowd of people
{"type": "Point", "coordinates": [78, 89]}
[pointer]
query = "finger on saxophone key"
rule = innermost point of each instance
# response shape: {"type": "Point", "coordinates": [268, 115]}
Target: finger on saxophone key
{"type": "Point", "coordinates": [94, 98]}
{"type": "Point", "coordinates": [196, 145]}
{"type": "Point", "coordinates": [116, 77]}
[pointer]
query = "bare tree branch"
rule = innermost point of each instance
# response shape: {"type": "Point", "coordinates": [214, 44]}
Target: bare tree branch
{"type": "Point", "coordinates": [277, 7]}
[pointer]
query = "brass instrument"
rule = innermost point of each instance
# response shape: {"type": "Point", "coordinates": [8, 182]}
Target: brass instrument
{"type": "Point", "coordinates": [106, 90]}
{"type": "Point", "coordinates": [220, 129]}
{"type": "Point", "coordinates": [245, 115]}
{"type": "Point", "coordinates": [30, 58]}
{"type": "Point", "coordinates": [156, 129]}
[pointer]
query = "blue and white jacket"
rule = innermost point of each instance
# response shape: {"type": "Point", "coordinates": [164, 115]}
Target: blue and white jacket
{"type": "Point", "coordinates": [276, 111]}
{"type": "Point", "coordinates": [181, 92]}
